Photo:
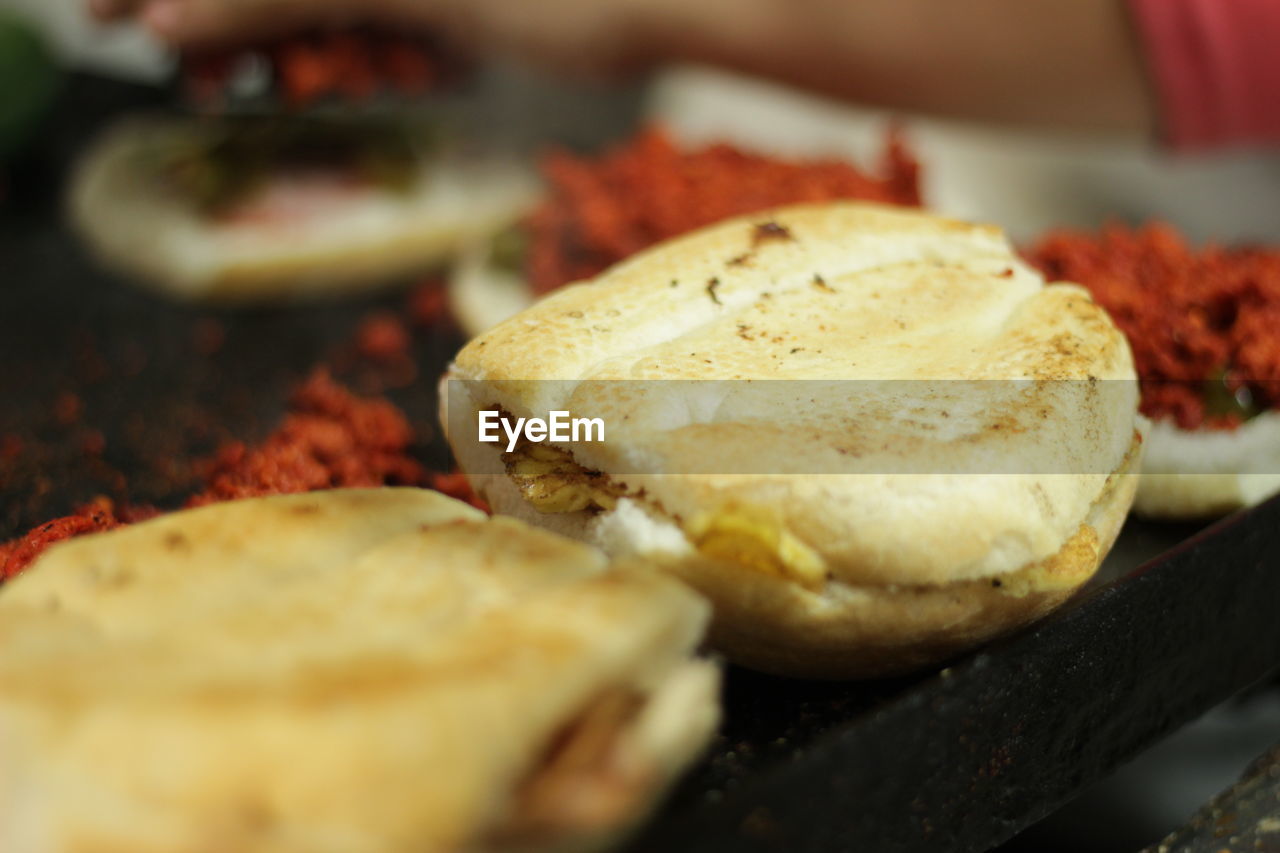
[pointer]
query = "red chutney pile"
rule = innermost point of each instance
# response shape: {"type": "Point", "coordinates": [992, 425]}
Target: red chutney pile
{"type": "Point", "coordinates": [330, 438]}
{"type": "Point", "coordinates": [1203, 324]}
{"type": "Point", "coordinates": [599, 211]}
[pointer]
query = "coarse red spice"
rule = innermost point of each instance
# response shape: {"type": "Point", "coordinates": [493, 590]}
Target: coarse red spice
{"type": "Point", "coordinates": [1194, 318]}
{"type": "Point", "coordinates": [427, 305]}
{"type": "Point", "coordinates": [92, 442]}
{"type": "Point", "coordinates": [20, 553]}
{"type": "Point", "coordinates": [98, 515]}
{"type": "Point", "coordinates": [600, 210]}
{"type": "Point", "coordinates": [67, 408]}
{"type": "Point", "coordinates": [329, 439]}
{"type": "Point", "coordinates": [382, 337]}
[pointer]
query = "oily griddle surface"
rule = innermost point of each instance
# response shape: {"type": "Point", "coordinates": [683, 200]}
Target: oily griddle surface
{"type": "Point", "coordinates": [957, 759]}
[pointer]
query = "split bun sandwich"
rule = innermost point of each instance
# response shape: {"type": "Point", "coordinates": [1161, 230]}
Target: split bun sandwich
{"type": "Point", "coordinates": [871, 437]}
{"type": "Point", "coordinates": [265, 209]}
{"type": "Point", "coordinates": [361, 671]}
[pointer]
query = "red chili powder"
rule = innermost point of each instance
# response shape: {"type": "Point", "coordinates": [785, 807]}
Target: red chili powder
{"type": "Point", "coordinates": [599, 211]}
{"type": "Point", "coordinates": [99, 514]}
{"type": "Point", "coordinates": [329, 439]}
{"type": "Point", "coordinates": [427, 304]}
{"type": "Point", "coordinates": [1193, 318]}
{"type": "Point", "coordinates": [92, 517]}
{"type": "Point", "coordinates": [67, 408]}
{"type": "Point", "coordinates": [382, 337]}
{"type": "Point", "coordinates": [92, 442]}
{"type": "Point", "coordinates": [11, 446]}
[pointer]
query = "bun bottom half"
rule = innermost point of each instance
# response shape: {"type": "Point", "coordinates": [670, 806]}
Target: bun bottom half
{"type": "Point", "coordinates": [774, 625]}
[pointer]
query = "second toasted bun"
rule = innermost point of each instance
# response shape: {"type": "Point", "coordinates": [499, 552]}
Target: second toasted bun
{"type": "Point", "coordinates": [148, 232]}
{"type": "Point", "coordinates": [840, 528]}
{"type": "Point", "coordinates": [343, 672]}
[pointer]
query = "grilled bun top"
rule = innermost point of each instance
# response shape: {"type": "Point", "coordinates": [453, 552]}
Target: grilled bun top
{"type": "Point", "coordinates": [951, 416]}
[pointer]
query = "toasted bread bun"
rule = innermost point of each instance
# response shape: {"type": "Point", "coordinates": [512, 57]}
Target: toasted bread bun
{"type": "Point", "coordinates": [1188, 474]}
{"type": "Point", "coordinates": [371, 670]}
{"type": "Point", "coordinates": [974, 476]}
{"type": "Point", "coordinates": [147, 231]}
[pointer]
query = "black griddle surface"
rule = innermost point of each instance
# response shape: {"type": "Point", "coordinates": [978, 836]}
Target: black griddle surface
{"type": "Point", "coordinates": [959, 759]}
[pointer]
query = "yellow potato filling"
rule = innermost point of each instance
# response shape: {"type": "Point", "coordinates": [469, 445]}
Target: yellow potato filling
{"type": "Point", "coordinates": [553, 482]}
{"type": "Point", "coordinates": [758, 545]}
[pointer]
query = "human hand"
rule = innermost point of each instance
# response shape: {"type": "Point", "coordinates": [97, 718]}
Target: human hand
{"type": "Point", "coordinates": [593, 36]}
{"type": "Point", "coordinates": [195, 22]}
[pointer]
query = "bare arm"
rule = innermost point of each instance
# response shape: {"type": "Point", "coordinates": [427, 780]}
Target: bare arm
{"type": "Point", "coordinates": [1064, 63]}
{"type": "Point", "coordinates": [1057, 63]}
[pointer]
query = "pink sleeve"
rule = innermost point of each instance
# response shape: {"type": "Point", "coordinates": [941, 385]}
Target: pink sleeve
{"type": "Point", "coordinates": [1215, 65]}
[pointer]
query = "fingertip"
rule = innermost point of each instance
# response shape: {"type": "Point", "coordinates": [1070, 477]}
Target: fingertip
{"type": "Point", "coordinates": [190, 23]}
